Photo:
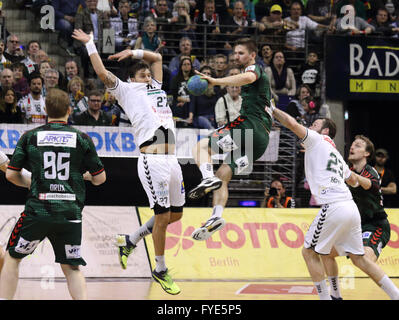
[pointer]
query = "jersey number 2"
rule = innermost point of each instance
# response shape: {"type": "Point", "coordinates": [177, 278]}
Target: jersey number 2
{"type": "Point", "coordinates": [56, 165]}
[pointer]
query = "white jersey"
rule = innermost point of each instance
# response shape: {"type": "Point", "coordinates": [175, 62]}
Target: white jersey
{"type": "Point", "coordinates": [146, 106]}
{"type": "Point", "coordinates": [32, 109]}
{"type": "Point", "coordinates": [325, 169]}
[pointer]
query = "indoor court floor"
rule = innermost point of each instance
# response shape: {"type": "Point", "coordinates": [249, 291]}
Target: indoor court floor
{"type": "Point", "coordinates": [147, 289]}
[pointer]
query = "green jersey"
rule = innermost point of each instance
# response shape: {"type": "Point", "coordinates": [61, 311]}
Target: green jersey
{"type": "Point", "coordinates": [369, 201]}
{"type": "Point", "coordinates": [256, 95]}
{"type": "Point", "coordinates": [57, 155]}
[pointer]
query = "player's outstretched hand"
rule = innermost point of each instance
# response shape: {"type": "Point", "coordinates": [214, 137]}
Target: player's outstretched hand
{"type": "Point", "coordinates": [121, 55]}
{"type": "Point", "coordinates": [206, 77]}
{"type": "Point", "coordinates": [81, 36]}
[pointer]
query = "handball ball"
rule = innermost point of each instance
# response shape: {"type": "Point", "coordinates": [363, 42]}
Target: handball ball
{"type": "Point", "coordinates": [197, 86]}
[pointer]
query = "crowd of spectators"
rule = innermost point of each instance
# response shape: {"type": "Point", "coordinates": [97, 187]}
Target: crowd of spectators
{"type": "Point", "coordinates": [194, 35]}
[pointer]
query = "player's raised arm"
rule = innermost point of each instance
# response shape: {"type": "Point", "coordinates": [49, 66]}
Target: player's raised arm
{"type": "Point", "coordinates": [237, 80]}
{"type": "Point", "coordinates": [105, 76]}
{"type": "Point", "coordinates": [154, 59]}
{"type": "Point", "coordinates": [290, 123]}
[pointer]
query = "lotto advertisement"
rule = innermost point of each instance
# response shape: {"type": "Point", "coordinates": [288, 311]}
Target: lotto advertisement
{"type": "Point", "coordinates": [256, 243]}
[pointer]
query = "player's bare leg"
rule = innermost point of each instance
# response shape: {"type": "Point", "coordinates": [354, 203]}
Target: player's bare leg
{"type": "Point", "coordinates": [331, 268]}
{"type": "Point", "coordinates": [369, 253]}
{"type": "Point", "coordinates": [202, 157]}
{"type": "Point", "coordinates": [9, 277]}
{"type": "Point", "coordinates": [75, 281]}
{"type": "Point", "coordinates": [376, 274]}
{"type": "Point", "coordinates": [316, 271]}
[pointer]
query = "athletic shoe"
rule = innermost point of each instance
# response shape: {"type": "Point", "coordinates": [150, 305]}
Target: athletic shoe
{"type": "Point", "coordinates": [166, 282]}
{"type": "Point", "coordinates": [334, 298]}
{"type": "Point", "coordinates": [205, 186]}
{"type": "Point", "coordinates": [125, 248]}
{"type": "Point", "coordinates": [208, 229]}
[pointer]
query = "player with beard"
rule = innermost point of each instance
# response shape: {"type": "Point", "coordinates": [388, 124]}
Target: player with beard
{"type": "Point", "coordinates": [239, 142]}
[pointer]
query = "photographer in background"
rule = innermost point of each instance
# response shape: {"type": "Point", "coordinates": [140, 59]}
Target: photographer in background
{"type": "Point", "coordinates": [275, 196]}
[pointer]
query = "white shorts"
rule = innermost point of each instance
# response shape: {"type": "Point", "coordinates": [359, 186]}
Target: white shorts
{"type": "Point", "coordinates": [162, 179]}
{"type": "Point", "coordinates": [336, 225]}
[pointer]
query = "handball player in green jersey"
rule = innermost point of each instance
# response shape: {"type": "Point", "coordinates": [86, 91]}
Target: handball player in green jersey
{"type": "Point", "coordinates": [238, 143]}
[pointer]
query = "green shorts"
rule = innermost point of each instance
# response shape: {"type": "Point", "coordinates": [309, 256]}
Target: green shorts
{"type": "Point", "coordinates": [241, 142]}
{"type": "Point", "coordinates": [376, 235]}
{"type": "Point", "coordinates": [65, 237]}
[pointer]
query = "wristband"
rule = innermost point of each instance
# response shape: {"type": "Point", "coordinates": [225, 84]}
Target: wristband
{"type": "Point", "coordinates": [138, 53]}
{"type": "Point", "coordinates": [91, 46]}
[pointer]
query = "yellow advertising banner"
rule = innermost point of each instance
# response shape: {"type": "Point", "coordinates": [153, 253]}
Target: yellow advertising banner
{"type": "Point", "coordinates": [256, 243]}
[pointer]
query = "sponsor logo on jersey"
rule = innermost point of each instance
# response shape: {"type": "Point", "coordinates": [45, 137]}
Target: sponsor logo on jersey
{"type": "Point", "coordinates": [56, 139]}
{"type": "Point", "coordinates": [57, 196]}
{"type": "Point", "coordinates": [72, 251]}
{"type": "Point", "coordinates": [366, 235]}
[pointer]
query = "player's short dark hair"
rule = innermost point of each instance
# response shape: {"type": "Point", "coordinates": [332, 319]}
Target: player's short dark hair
{"type": "Point", "coordinates": [369, 146]}
{"type": "Point", "coordinates": [249, 43]}
{"type": "Point", "coordinates": [331, 126]}
{"type": "Point", "coordinates": [137, 67]}
{"type": "Point", "coordinates": [57, 103]}
{"type": "Point", "coordinates": [34, 75]}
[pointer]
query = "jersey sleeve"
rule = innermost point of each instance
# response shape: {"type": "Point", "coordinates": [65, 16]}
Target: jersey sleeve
{"type": "Point", "coordinates": [311, 139]}
{"type": "Point", "coordinates": [19, 156]}
{"type": "Point", "coordinates": [120, 90]}
{"type": "Point", "coordinates": [92, 162]}
{"type": "Point", "coordinates": [255, 69]}
{"type": "Point", "coordinates": [372, 174]}
{"type": "Point", "coordinates": [156, 84]}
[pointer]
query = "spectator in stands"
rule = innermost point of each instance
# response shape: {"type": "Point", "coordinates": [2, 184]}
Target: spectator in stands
{"type": "Point", "coordinates": [41, 56]}
{"type": "Point", "coordinates": [295, 108]}
{"type": "Point", "coordinates": [21, 86]}
{"type": "Point", "coordinates": [185, 47]}
{"type": "Point", "coordinates": [236, 26]}
{"type": "Point", "coordinates": [125, 27]}
{"type": "Point", "coordinates": [88, 20]}
{"type": "Point", "coordinates": [309, 72]}
{"type": "Point", "coordinates": [393, 9]}
{"type": "Point", "coordinates": [249, 8]}
{"type": "Point", "coordinates": [228, 107]}
{"type": "Point", "coordinates": [360, 10]}
{"type": "Point", "coordinates": [282, 79]}
{"type": "Point", "coordinates": [273, 28]}
{"type": "Point", "coordinates": [115, 111]}
{"type": "Point", "coordinates": [9, 111]}
{"type": "Point", "coordinates": [202, 108]}
{"type": "Point", "coordinates": [6, 79]}
{"type": "Point", "coordinates": [163, 18]}
{"type": "Point", "coordinates": [51, 78]}
{"type": "Point", "coordinates": [275, 196]}
{"type": "Point", "coordinates": [71, 69]}
{"type": "Point", "coordinates": [295, 39]}
{"type": "Point", "coordinates": [44, 66]}
{"type": "Point", "coordinates": [267, 55]}
{"type": "Point", "coordinates": [93, 116]}
{"type": "Point", "coordinates": [79, 102]}
{"type": "Point", "coordinates": [231, 61]}
{"type": "Point", "coordinates": [312, 108]}
{"type": "Point", "coordinates": [360, 26]}
{"type": "Point", "coordinates": [149, 39]}
{"type": "Point", "coordinates": [178, 88]}
{"type": "Point", "coordinates": [33, 105]}
{"type": "Point", "coordinates": [182, 25]}
{"type": "Point", "coordinates": [382, 24]}
{"type": "Point", "coordinates": [388, 183]}
{"type": "Point", "coordinates": [220, 65]}
{"type": "Point", "coordinates": [208, 22]}
{"type": "Point", "coordinates": [14, 52]}
{"type": "Point", "coordinates": [65, 12]}
{"type": "Point", "coordinates": [32, 50]}
{"type": "Point", "coordinates": [4, 62]}
{"type": "Point", "coordinates": [321, 11]}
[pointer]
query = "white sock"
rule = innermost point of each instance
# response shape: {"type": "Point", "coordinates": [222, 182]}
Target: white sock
{"type": "Point", "coordinates": [143, 231]}
{"type": "Point", "coordinates": [160, 263]}
{"type": "Point", "coordinates": [334, 287]}
{"type": "Point", "coordinates": [322, 290]}
{"type": "Point", "coordinates": [206, 170]}
{"type": "Point", "coordinates": [388, 286]}
{"type": "Point", "coordinates": [217, 211]}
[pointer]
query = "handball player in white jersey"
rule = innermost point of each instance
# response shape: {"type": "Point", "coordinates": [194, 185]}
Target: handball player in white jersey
{"type": "Point", "coordinates": [337, 224]}
{"type": "Point", "coordinates": [145, 103]}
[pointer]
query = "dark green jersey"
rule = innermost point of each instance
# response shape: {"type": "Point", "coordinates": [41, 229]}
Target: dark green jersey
{"type": "Point", "coordinates": [256, 95]}
{"type": "Point", "coordinates": [369, 201]}
{"type": "Point", "coordinates": [57, 155]}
